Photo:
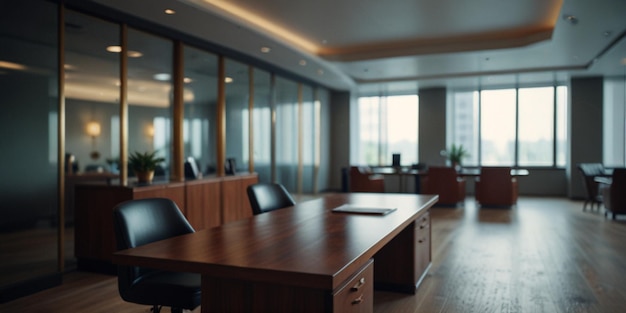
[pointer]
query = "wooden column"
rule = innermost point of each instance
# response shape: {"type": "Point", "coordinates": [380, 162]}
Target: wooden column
{"type": "Point", "coordinates": [251, 119]}
{"type": "Point", "coordinates": [221, 116]}
{"type": "Point", "coordinates": [300, 138]}
{"type": "Point", "coordinates": [124, 106]}
{"type": "Point", "coordinates": [177, 169]}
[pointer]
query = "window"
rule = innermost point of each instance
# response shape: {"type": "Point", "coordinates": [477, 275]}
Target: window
{"type": "Point", "coordinates": [497, 127]}
{"type": "Point", "coordinates": [511, 127]}
{"type": "Point", "coordinates": [536, 126]}
{"type": "Point", "coordinates": [387, 125]}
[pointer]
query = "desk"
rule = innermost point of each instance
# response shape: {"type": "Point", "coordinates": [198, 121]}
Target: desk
{"type": "Point", "coordinates": [475, 172]}
{"type": "Point", "coordinates": [402, 173]}
{"type": "Point", "coordinates": [303, 258]}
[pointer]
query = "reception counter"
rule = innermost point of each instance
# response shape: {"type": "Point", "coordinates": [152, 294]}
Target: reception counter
{"type": "Point", "coordinates": [206, 203]}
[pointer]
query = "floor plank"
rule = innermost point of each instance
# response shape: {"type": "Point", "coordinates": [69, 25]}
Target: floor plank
{"type": "Point", "coordinates": [544, 255]}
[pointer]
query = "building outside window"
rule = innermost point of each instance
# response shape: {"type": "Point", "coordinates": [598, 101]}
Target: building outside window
{"type": "Point", "coordinates": [511, 127]}
{"type": "Point", "coordinates": [387, 126]}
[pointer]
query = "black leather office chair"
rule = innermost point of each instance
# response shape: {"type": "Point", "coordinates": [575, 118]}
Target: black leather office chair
{"type": "Point", "coordinates": [265, 197]}
{"type": "Point", "coordinates": [139, 222]}
{"type": "Point", "coordinates": [614, 197]}
{"type": "Point", "coordinates": [589, 171]}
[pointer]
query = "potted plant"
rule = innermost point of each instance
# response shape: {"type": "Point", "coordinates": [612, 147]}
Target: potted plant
{"type": "Point", "coordinates": [456, 154]}
{"type": "Point", "coordinates": [144, 164]}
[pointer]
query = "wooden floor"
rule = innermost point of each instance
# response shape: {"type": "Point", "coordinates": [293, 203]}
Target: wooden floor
{"type": "Point", "coordinates": [544, 255]}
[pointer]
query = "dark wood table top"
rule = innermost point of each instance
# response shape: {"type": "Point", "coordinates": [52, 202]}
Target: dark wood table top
{"type": "Point", "coordinates": [305, 245]}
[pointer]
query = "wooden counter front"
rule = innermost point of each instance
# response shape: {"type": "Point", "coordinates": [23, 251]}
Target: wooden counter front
{"type": "Point", "coordinates": [204, 203]}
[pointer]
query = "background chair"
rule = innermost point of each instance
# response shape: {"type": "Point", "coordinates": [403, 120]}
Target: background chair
{"type": "Point", "coordinates": [139, 222]}
{"type": "Point", "coordinates": [589, 171]}
{"type": "Point", "coordinates": [363, 180]}
{"type": "Point", "coordinates": [496, 187]}
{"type": "Point", "coordinates": [445, 182]}
{"type": "Point", "coordinates": [614, 195]}
{"type": "Point", "coordinates": [265, 197]}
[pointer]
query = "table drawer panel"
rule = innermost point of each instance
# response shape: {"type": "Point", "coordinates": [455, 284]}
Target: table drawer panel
{"type": "Point", "coordinates": [357, 294]}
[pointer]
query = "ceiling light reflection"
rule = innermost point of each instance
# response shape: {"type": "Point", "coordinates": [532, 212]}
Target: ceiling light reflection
{"type": "Point", "coordinates": [12, 66]}
{"type": "Point", "coordinates": [162, 77]}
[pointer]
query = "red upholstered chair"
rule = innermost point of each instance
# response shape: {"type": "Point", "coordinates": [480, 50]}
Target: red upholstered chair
{"type": "Point", "coordinates": [496, 187]}
{"type": "Point", "coordinates": [445, 182]}
{"type": "Point", "coordinates": [615, 194]}
{"type": "Point", "coordinates": [363, 180]}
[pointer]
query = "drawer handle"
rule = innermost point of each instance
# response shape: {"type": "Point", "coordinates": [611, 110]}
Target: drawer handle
{"type": "Point", "coordinates": [358, 300]}
{"type": "Point", "coordinates": [358, 285]}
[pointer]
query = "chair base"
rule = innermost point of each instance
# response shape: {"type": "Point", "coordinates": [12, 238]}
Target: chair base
{"type": "Point", "coordinates": [592, 203]}
{"type": "Point", "coordinates": [157, 309]}
{"type": "Point", "coordinates": [613, 214]}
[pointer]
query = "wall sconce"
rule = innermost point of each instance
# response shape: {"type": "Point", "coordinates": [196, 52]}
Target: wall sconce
{"type": "Point", "coordinates": [93, 129]}
{"type": "Point", "coordinates": [150, 131]}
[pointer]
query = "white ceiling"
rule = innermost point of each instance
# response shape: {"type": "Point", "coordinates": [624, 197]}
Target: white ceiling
{"type": "Point", "coordinates": [401, 45]}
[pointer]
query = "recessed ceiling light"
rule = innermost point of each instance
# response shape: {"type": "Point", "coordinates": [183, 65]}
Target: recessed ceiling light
{"type": "Point", "coordinates": [162, 77]}
{"type": "Point", "coordinates": [302, 62]}
{"type": "Point", "coordinates": [69, 67]}
{"type": "Point", "coordinates": [228, 80]}
{"type": "Point", "coordinates": [170, 11]}
{"type": "Point", "coordinates": [266, 49]}
{"type": "Point", "coordinates": [134, 54]}
{"type": "Point", "coordinates": [116, 49]}
{"type": "Point", "coordinates": [187, 80]}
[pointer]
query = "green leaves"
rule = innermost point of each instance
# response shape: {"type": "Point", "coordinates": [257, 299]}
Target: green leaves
{"type": "Point", "coordinates": [146, 161]}
{"type": "Point", "coordinates": [457, 153]}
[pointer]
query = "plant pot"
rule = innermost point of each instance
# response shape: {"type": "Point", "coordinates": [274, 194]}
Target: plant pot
{"type": "Point", "coordinates": [145, 176]}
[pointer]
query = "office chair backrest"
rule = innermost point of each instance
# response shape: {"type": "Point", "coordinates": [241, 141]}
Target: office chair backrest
{"type": "Point", "coordinates": [265, 197]}
{"type": "Point", "coordinates": [139, 222]}
{"type": "Point", "coordinates": [591, 169]}
{"type": "Point", "coordinates": [496, 175]}
{"type": "Point", "coordinates": [442, 174]}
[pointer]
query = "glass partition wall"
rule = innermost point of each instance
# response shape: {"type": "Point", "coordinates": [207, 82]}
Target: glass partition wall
{"type": "Point", "coordinates": [200, 113]}
{"type": "Point", "coordinates": [92, 90]}
{"type": "Point", "coordinates": [68, 124]}
{"type": "Point", "coordinates": [237, 83]}
{"type": "Point", "coordinates": [91, 93]}
{"type": "Point", "coordinates": [150, 98]}
{"type": "Point", "coordinates": [29, 197]}
{"type": "Point", "coordinates": [262, 125]}
{"type": "Point", "coordinates": [286, 134]}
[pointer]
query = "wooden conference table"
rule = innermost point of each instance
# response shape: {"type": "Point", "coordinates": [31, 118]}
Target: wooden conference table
{"type": "Point", "coordinates": [305, 258]}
